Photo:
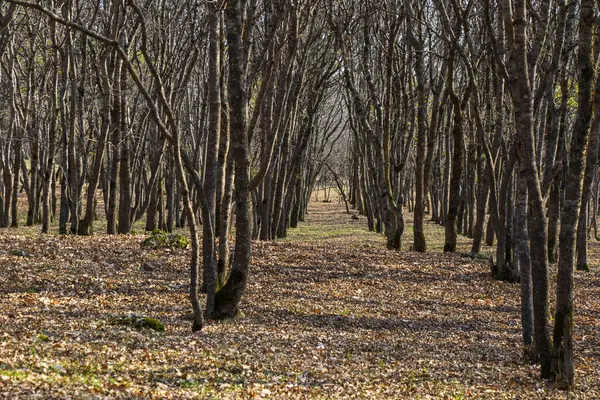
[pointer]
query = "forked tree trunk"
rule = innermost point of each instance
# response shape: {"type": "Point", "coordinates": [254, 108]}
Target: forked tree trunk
{"type": "Point", "coordinates": [85, 225]}
{"type": "Point", "coordinates": [450, 238]}
{"type": "Point", "coordinates": [454, 190]}
{"type": "Point", "coordinates": [229, 296]}
{"type": "Point", "coordinates": [520, 85]}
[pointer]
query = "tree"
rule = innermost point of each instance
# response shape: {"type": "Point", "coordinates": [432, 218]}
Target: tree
{"type": "Point", "coordinates": [520, 69]}
{"type": "Point", "coordinates": [563, 327]}
{"type": "Point", "coordinates": [228, 297]}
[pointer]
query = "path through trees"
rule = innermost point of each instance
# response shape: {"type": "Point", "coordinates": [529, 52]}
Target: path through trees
{"type": "Point", "coordinates": [329, 312]}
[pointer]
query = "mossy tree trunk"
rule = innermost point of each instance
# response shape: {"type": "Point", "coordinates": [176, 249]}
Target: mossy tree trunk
{"type": "Point", "coordinates": [227, 299]}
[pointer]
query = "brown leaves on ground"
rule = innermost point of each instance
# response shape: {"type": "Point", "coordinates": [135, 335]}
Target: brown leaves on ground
{"type": "Point", "coordinates": [329, 313]}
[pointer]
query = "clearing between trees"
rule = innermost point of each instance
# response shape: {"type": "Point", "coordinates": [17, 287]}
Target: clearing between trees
{"type": "Point", "coordinates": [329, 313]}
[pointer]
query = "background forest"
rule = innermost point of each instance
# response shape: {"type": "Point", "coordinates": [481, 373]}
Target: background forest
{"type": "Point", "coordinates": [428, 119]}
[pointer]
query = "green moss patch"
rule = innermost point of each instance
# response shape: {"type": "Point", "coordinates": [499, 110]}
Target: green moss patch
{"type": "Point", "coordinates": [160, 240]}
{"type": "Point", "coordinates": [139, 322]}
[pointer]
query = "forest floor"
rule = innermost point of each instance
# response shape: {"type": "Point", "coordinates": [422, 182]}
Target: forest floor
{"type": "Point", "coordinates": [329, 313]}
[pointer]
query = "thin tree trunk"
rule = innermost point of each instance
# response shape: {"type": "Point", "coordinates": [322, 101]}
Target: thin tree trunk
{"type": "Point", "coordinates": [49, 167]}
{"type": "Point", "coordinates": [125, 179]}
{"type": "Point", "coordinates": [588, 179]}
{"type": "Point", "coordinates": [16, 183]}
{"type": "Point", "coordinates": [73, 172]}
{"type": "Point", "coordinates": [482, 200]}
{"type": "Point", "coordinates": [524, 261]}
{"type": "Point", "coordinates": [211, 165]}
{"type": "Point", "coordinates": [116, 134]}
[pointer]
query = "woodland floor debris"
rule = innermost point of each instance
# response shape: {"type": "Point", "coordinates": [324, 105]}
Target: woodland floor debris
{"type": "Point", "coordinates": [329, 313]}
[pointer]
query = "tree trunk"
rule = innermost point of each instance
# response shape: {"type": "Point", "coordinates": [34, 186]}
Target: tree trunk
{"type": "Point", "coordinates": [588, 179]}
{"type": "Point", "coordinates": [85, 225]}
{"type": "Point", "coordinates": [115, 118]}
{"type": "Point", "coordinates": [553, 219]}
{"type": "Point", "coordinates": [524, 261]}
{"type": "Point", "coordinates": [420, 244]}
{"type": "Point", "coordinates": [228, 297]}
{"type": "Point", "coordinates": [563, 327]}
{"type": "Point", "coordinates": [520, 85]}
{"type": "Point", "coordinates": [49, 167]}
{"type": "Point", "coordinates": [16, 183]}
{"type": "Point", "coordinates": [457, 162]}
{"type": "Point", "coordinates": [211, 165]}
{"type": "Point", "coordinates": [125, 179]}
{"type": "Point", "coordinates": [73, 170]}
{"type": "Point", "coordinates": [482, 200]}
{"type": "Point", "coordinates": [503, 245]}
